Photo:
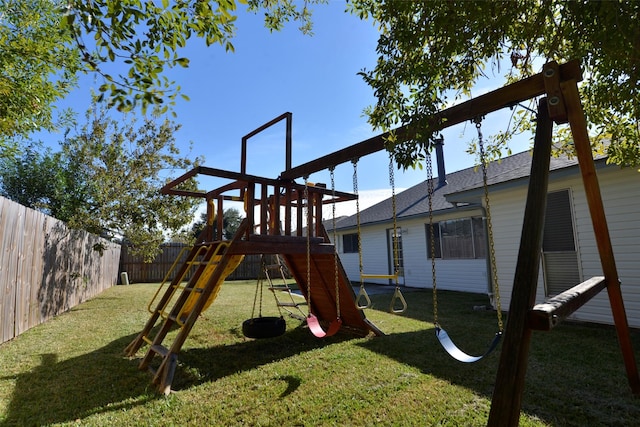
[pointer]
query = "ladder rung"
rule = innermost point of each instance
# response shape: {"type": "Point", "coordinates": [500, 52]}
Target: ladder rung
{"type": "Point", "coordinates": [279, 288]}
{"type": "Point", "coordinates": [160, 349]}
{"type": "Point", "coordinates": [188, 289]}
{"type": "Point", "coordinates": [291, 304]}
{"type": "Point", "coordinates": [203, 262]}
{"type": "Point", "coordinates": [273, 266]}
{"type": "Point", "coordinates": [147, 339]}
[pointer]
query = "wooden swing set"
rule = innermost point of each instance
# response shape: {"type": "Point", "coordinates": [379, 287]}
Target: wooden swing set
{"type": "Point", "coordinates": [560, 104]}
{"type": "Point", "coordinates": [313, 261]}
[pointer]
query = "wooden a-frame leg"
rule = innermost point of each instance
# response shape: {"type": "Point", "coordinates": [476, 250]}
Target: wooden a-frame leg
{"type": "Point", "coordinates": [578, 125]}
{"type": "Point", "coordinates": [507, 393]}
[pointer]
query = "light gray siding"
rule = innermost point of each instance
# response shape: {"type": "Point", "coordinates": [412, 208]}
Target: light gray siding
{"type": "Point", "coordinates": [621, 196]}
{"type": "Point", "coordinates": [467, 275]}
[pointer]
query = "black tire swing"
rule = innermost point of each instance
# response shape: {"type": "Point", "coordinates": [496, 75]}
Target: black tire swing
{"type": "Point", "coordinates": [263, 326]}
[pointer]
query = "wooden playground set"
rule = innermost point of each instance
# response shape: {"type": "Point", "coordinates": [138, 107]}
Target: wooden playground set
{"type": "Point", "coordinates": [284, 220]}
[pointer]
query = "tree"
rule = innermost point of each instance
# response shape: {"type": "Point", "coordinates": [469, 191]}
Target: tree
{"type": "Point", "coordinates": [431, 53]}
{"type": "Point", "coordinates": [46, 181]}
{"type": "Point", "coordinates": [231, 220]}
{"type": "Point", "coordinates": [38, 65]}
{"type": "Point", "coordinates": [126, 168]}
{"type": "Point", "coordinates": [107, 180]}
{"type": "Point", "coordinates": [30, 178]}
{"type": "Point", "coordinates": [45, 45]}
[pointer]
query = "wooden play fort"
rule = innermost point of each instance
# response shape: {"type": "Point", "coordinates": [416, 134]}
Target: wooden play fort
{"type": "Point", "coordinates": [285, 217]}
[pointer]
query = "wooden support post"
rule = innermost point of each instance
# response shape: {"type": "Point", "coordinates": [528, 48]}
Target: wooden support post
{"type": "Point", "coordinates": [264, 208]}
{"type": "Point", "coordinates": [275, 212]}
{"type": "Point", "coordinates": [249, 207]}
{"type": "Point", "coordinates": [507, 393]}
{"type": "Point", "coordinates": [310, 203]}
{"type": "Point", "coordinates": [220, 218]}
{"type": "Point", "coordinates": [578, 125]}
{"type": "Point", "coordinates": [208, 234]}
{"type": "Point", "coordinates": [287, 210]}
{"type": "Point", "coordinates": [299, 212]}
{"type": "Point", "coordinates": [318, 214]}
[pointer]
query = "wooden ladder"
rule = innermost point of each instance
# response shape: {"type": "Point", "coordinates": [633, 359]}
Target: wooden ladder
{"type": "Point", "coordinates": [196, 254]}
{"type": "Point", "coordinates": [202, 284]}
{"type": "Point", "coordinates": [275, 265]}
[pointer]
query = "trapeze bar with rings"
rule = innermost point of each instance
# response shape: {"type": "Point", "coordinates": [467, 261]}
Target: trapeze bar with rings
{"type": "Point", "coordinates": [398, 298]}
{"type": "Point", "coordinates": [398, 303]}
{"type": "Point", "coordinates": [362, 300]}
{"type": "Point", "coordinates": [379, 276]}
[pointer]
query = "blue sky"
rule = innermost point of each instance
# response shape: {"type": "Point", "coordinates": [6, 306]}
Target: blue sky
{"type": "Point", "coordinates": [315, 78]}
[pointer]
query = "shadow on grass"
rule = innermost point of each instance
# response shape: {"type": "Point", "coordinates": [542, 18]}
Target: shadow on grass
{"type": "Point", "coordinates": [422, 350]}
{"type": "Point", "coordinates": [66, 390]}
{"type": "Point", "coordinates": [105, 381]}
{"type": "Point", "coordinates": [200, 365]}
{"type": "Point", "coordinates": [575, 374]}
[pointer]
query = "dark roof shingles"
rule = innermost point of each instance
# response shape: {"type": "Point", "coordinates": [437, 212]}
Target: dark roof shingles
{"type": "Point", "coordinates": [415, 201]}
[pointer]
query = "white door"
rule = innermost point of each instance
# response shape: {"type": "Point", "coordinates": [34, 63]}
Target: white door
{"type": "Point", "coordinates": [395, 254]}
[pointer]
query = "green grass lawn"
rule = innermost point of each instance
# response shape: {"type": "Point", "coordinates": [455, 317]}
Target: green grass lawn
{"type": "Point", "coordinates": [71, 371]}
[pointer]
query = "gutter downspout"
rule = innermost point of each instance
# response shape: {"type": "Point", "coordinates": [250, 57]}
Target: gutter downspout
{"type": "Point", "coordinates": [442, 175]}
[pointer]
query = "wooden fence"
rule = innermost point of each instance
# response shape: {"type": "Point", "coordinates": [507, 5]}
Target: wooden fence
{"type": "Point", "coordinates": [47, 268]}
{"type": "Point", "coordinates": [140, 272]}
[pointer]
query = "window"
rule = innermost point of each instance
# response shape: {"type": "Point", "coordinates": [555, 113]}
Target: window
{"type": "Point", "coordinates": [458, 239]}
{"type": "Point", "coordinates": [558, 224]}
{"type": "Point", "coordinates": [436, 241]}
{"type": "Point", "coordinates": [559, 255]}
{"type": "Point", "coordinates": [350, 243]}
{"type": "Point", "coordinates": [479, 237]}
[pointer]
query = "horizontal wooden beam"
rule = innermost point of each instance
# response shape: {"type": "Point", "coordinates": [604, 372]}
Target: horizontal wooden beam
{"type": "Point", "coordinates": [240, 182]}
{"type": "Point", "coordinates": [256, 247]}
{"type": "Point", "coordinates": [545, 316]}
{"type": "Point", "coordinates": [506, 96]}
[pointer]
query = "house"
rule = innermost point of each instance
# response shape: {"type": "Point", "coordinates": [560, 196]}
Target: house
{"type": "Point", "coordinates": [569, 254]}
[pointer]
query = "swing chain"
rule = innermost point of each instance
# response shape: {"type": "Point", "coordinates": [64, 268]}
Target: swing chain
{"type": "Point", "coordinates": [306, 213]}
{"type": "Point", "coordinates": [430, 189]}
{"type": "Point", "coordinates": [362, 294]}
{"type": "Point", "coordinates": [492, 251]}
{"type": "Point", "coordinates": [355, 191]}
{"type": "Point", "coordinates": [396, 261]}
{"type": "Point", "coordinates": [335, 239]}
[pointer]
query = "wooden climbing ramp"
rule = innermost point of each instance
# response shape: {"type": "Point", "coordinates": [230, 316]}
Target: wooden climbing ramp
{"type": "Point", "coordinates": [323, 291]}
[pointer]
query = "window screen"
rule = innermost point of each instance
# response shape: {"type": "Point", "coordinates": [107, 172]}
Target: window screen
{"type": "Point", "coordinates": [350, 243]}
